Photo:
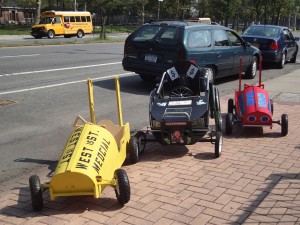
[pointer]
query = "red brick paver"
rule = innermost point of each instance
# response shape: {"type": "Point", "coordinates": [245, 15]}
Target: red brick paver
{"type": "Point", "coordinates": [255, 181]}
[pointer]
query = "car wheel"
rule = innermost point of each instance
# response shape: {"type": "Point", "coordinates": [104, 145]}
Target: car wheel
{"type": "Point", "coordinates": [51, 34]}
{"type": "Point", "coordinates": [272, 106]}
{"type": "Point", "coordinates": [36, 193]}
{"type": "Point", "coordinates": [122, 188]}
{"type": "Point", "coordinates": [284, 124]}
{"type": "Point", "coordinates": [230, 106]}
{"type": "Point", "coordinates": [294, 58]}
{"type": "Point", "coordinates": [133, 150]}
{"type": "Point", "coordinates": [145, 77]}
{"type": "Point", "coordinates": [252, 69]}
{"type": "Point", "coordinates": [217, 110]}
{"type": "Point", "coordinates": [80, 34]}
{"type": "Point", "coordinates": [141, 139]}
{"type": "Point", "coordinates": [218, 144]}
{"type": "Point", "coordinates": [229, 123]}
{"type": "Point", "coordinates": [281, 63]}
{"type": "Point", "coordinates": [211, 74]}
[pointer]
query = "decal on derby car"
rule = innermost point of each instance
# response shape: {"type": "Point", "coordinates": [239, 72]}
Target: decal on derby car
{"type": "Point", "coordinates": [200, 102]}
{"type": "Point", "coordinates": [176, 103]}
{"type": "Point", "coordinates": [192, 71]}
{"type": "Point", "coordinates": [162, 104]}
{"type": "Point", "coordinates": [173, 73]}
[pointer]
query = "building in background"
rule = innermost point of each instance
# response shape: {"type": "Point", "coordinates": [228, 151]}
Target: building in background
{"type": "Point", "coordinates": [12, 13]}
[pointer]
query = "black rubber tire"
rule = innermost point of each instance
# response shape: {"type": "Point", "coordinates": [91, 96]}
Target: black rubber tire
{"type": "Point", "coordinates": [51, 34]}
{"type": "Point", "coordinates": [252, 69]}
{"type": "Point", "coordinates": [211, 100]}
{"type": "Point", "coordinates": [122, 188]}
{"type": "Point", "coordinates": [133, 150]}
{"type": "Point", "coordinates": [229, 123]}
{"type": "Point", "coordinates": [294, 58]}
{"type": "Point", "coordinates": [272, 106]}
{"type": "Point", "coordinates": [284, 124]}
{"type": "Point", "coordinates": [217, 110]}
{"type": "Point", "coordinates": [141, 136]}
{"type": "Point", "coordinates": [80, 34]}
{"type": "Point", "coordinates": [213, 74]}
{"type": "Point", "coordinates": [36, 193]}
{"type": "Point", "coordinates": [148, 78]}
{"type": "Point", "coordinates": [281, 63]}
{"type": "Point", "coordinates": [218, 144]}
{"type": "Point", "coordinates": [230, 106]}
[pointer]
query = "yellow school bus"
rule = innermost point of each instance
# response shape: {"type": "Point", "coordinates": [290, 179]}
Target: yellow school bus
{"type": "Point", "coordinates": [69, 24]}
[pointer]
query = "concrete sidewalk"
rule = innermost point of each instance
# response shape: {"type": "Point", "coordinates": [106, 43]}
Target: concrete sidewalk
{"type": "Point", "coordinates": [255, 181]}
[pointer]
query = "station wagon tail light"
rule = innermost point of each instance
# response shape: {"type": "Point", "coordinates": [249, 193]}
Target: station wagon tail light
{"type": "Point", "coordinates": [274, 45]}
{"type": "Point", "coordinates": [181, 55]}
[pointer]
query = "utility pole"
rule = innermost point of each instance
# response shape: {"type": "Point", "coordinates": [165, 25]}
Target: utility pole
{"type": "Point", "coordinates": [75, 6]}
{"type": "Point", "coordinates": [38, 11]}
{"type": "Point", "coordinates": [158, 9]}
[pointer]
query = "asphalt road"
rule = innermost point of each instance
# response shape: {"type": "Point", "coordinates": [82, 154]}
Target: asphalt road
{"type": "Point", "coordinates": [43, 89]}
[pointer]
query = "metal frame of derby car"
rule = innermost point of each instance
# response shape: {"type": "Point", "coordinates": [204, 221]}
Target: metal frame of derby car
{"type": "Point", "coordinates": [180, 108]}
{"type": "Point", "coordinates": [253, 107]}
{"type": "Point", "coordinates": [91, 160]}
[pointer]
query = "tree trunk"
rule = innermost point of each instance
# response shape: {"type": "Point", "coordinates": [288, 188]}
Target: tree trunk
{"type": "Point", "coordinates": [103, 28]}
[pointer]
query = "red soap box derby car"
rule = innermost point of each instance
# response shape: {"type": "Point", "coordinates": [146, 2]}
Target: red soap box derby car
{"type": "Point", "coordinates": [253, 108]}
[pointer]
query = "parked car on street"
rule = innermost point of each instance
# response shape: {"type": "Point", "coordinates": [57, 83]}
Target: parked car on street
{"type": "Point", "coordinates": [276, 43]}
{"type": "Point", "coordinates": [157, 46]}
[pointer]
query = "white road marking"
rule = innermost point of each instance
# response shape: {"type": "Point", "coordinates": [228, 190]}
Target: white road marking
{"type": "Point", "coordinates": [17, 56]}
{"type": "Point", "coordinates": [66, 83]}
{"type": "Point", "coordinates": [58, 69]}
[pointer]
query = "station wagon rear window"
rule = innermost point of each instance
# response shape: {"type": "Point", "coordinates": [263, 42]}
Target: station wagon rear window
{"type": "Point", "coordinates": [159, 34]}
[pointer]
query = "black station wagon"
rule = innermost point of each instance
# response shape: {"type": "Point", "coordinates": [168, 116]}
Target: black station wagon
{"type": "Point", "coordinates": [156, 46]}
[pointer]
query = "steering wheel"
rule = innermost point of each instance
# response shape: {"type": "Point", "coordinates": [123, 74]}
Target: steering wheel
{"type": "Point", "coordinates": [180, 91]}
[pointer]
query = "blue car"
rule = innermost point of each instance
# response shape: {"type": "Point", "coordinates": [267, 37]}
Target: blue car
{"type": "Point", "coordinates": [276, 43]}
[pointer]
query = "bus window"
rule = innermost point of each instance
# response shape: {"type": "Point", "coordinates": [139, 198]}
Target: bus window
{"type": "Point", "coordinates": [83, 19]}
{"type": "Point", "coordinates": [88, 19]}
{"type": "Point", "coordinates": [78, 19]}
{"type": "Point", "coordinates": [72, 19]}
{"type": "Point", "coordinates": [66, 19]}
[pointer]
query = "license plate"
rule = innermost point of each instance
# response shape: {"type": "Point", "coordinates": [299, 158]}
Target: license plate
{"type": "Point", "coordinates": [150, 58]}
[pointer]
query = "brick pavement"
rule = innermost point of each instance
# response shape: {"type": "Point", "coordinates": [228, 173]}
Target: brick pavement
{"type": "Point", "coordinates": [255, 181]}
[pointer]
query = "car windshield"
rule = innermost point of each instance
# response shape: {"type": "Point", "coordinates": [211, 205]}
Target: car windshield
{"type": "Point", "coordinates": [160, 34]}
{"type": "Point", "coordinates": [262, 31]}
{"type": "Point", "coordinates": [46, 20]}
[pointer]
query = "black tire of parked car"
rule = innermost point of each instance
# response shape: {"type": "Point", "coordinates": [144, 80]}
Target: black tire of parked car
{"type": "Point", "coordinates": [252, 69]}
{"type": "Point", "coordinates": [294, 58]}
{"type": "Point", "coordinates": [281, 63]}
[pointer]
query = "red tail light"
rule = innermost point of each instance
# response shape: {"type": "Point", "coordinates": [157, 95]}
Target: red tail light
{"type": "Point", "coordinates": [193, 61]}
{"type": "Point", "coordinates": [181, 56]}
{"type": "Point", "coordinates": [274, 45]}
